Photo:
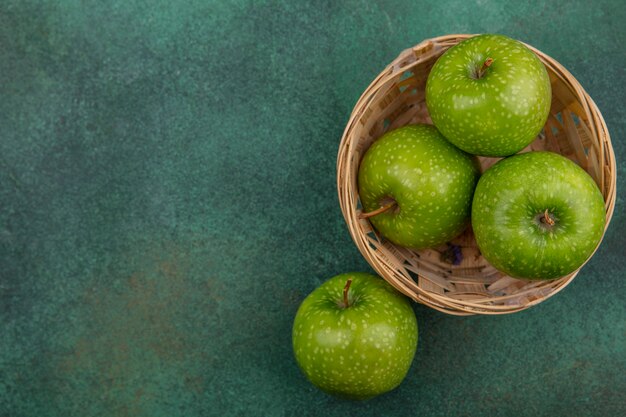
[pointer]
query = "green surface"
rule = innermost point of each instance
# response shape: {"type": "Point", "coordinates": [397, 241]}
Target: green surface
{"type": "Point", "coordinates": [167, 191]}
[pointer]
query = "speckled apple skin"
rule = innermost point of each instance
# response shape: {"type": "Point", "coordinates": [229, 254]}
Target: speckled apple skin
{"type": "Point", "coordinates": [360, 351]}
{"type": "Point", "coordinates": [509, 197]}
{"type": "Point", "coordinates": [431, 180]}
{"type": "Point", "coordinates": [498, 114]}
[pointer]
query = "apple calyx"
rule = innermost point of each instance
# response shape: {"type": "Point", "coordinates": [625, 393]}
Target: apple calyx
{"type": "Point", "coordinates": [382, 209]}
{"type": "Point", "coordinates": [481, 72]}
{"type": "Point", "coordinates": [346, 302]}
{"type": "Point", "coordinates": [545, 220]}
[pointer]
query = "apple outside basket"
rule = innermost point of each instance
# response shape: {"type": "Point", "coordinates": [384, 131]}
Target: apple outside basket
{"type": "Point", "coordinates": [575, 129]}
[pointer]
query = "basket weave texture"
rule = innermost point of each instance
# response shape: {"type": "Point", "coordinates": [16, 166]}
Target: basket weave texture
{"type": "Point", "coordinates": [575, 129]}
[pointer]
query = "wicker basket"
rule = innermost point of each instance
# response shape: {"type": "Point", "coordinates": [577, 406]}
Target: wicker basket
{"type": "Point", "coordinates": [575, 129]}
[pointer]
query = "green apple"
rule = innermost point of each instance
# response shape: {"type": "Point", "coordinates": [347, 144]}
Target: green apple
{"type": "Point", "coordinates": [422, 184]}
{"type": "Point", "coordinates": [537, 215]}
{"type": "Point", "coordinates": [355, 336]}
{"type": "Point", "coordinates": [489, 95]}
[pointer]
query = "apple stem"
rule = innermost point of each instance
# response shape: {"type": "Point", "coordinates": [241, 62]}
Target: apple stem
{"type": "Point", "coordinates": [346, 303]}
{"type": "Point", "coordinates": [547, 218]}
{"type": "Point", "coordinates": [377, 211]}
{"type": "Point", "coordinates": [486, 65]}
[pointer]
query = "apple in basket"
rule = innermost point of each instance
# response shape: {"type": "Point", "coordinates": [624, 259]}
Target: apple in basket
{"type": "Point", "coordinates": [355, 336]}
{"type": "Point", "coordinates": [416, 188]}
{"type": "Point", "coordinates": [537, 215]}
{"type": "Point", "coordinates": [489, 95]}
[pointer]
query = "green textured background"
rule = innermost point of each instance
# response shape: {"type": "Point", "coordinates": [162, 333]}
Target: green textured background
{"type": "Point", "coordinates": [167, 192]}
